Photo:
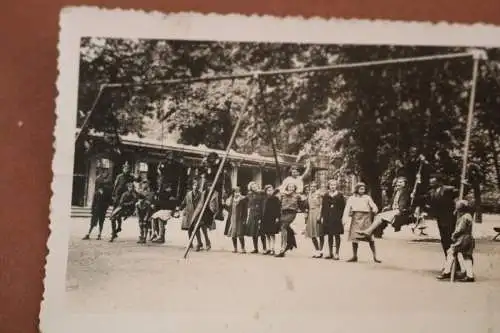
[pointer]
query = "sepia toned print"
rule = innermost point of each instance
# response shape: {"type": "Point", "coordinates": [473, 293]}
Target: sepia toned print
{"type": "Point", "coordinates": [265, 185]}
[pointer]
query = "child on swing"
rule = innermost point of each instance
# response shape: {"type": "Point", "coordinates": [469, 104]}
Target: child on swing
{"type": "Point", "coordinates": [463, 244]}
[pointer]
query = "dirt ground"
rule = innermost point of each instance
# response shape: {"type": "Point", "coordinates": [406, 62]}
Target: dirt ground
{"type": "Point", "coordinates": [127, 287]}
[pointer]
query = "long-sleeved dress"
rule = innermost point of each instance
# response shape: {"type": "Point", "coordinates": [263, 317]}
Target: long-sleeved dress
{"type": "Point", "coordinates": [237, 215]}
{"type": "Point", "coordinates": [313, 227]}
{"type": "Point", "coordinates": [332, 210]}
{"type": "Point", "coordinates": [255, 201]}
{"type": "Point", "coordinates": [271, 215]}
{"type": "Point", "coordinates": [359, 210]}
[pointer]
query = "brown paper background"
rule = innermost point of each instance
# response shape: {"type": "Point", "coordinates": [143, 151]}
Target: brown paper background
{"type": "Point", "coordinates": [28, 62]}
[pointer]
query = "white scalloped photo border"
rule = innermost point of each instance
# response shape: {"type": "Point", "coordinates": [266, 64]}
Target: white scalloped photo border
{"type": "Point", "coordinates": [77, 22]}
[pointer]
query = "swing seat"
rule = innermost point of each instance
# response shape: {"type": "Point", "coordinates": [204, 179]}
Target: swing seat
{"type": "Point", "coordinates": [497, 230]}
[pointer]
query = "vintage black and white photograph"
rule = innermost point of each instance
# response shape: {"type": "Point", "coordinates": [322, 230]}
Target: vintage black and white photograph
{"type": "Point", "coordinates": [258, 185]}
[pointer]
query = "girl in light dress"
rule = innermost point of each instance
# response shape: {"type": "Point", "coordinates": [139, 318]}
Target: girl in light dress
{"type": "Point", "coordinates": [359, 212]}
{"type": "Point", "coordinates": [236, 206]}
{"type": "Point", "coordinates": [314, 229]}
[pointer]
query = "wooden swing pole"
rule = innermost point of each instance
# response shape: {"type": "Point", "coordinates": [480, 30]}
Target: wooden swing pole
{"type": "Point", "coordinates": [477, 55]}
{"type": "Point", "coordinates": [221, 165]}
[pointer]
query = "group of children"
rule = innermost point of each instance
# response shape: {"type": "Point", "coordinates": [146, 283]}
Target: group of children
{"type": "Point", "coordinates": [264, 214]}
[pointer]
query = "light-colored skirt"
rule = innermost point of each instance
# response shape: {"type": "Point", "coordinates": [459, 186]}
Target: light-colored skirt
{"type": "Point", "coordinates": [359, 221]}
{"type": "Point", "coordinates": [164, 215]}
{"type": "Point", "coordinates": [313, 227]}
{"type": "Point", "coordinates": [236, 227]}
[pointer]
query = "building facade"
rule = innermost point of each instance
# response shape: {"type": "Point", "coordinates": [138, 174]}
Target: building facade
{"type": "Point", "coordinates": [144, 155]}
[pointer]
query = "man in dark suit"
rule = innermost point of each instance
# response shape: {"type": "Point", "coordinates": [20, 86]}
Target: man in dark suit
{"type": "Point", "coordinates": [397, 214]}
{"type": "Point", "coordinates": [441, 205]}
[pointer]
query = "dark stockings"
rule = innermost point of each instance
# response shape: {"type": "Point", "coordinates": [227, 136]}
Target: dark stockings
{"type": "Point", "coordinates": [115, 222]}
{"type": "Point", "coordinates": [95, 220]}
{"type": "Point", "coordinates": [374, 251]}
{"type": "Point", "coordinates": [235, 243]}
{"type": "Point", "coordinates": [330, 246]}
{"type": "Point", "coordinates": [205, 235]}
{"type": "Point", "coordinates": [318, 246]}
{"type": "Point", "coordinates": [255, 240]}
{"type": "Point", "coordinates": [355, 246]}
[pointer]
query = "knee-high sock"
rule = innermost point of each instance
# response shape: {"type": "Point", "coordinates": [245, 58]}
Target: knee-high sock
{"type": "Point", "coordinates": [374, 250]}
{"type": "Point", "coordinates": [355, 250]}
{"type": "Point", "coordinates": [469, 267]}
{"type": "Point", "coordinates": [205, 234]}
{"type": "Point", "coordinates": [337, 244]}
{"type": "Point", "coordinates": [330, 244]}
{"type": "Point", "coordinates": [263, 241]}
{"type": "Point", "coordinates": [315, 243]}
{"type": "Point", "coordinates": [255, 241]}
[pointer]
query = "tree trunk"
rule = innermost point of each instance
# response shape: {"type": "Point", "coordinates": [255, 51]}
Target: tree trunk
{"type": "Point", "coordinates": [495, 156]}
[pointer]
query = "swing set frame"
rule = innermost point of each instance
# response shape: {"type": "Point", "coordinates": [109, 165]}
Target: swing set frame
{"type": "Point", "coordinates": [254, 80]}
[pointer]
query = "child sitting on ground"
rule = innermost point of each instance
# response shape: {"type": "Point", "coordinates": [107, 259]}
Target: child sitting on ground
{"type": "Point", "coordinates": [463, 243]}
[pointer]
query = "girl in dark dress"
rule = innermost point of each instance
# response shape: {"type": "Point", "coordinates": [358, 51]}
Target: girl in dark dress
{"type": "Point", "coordinates": [332, 209]}
{"type": "Point", "coordinates": [271, 218]}
{"type": "Point", "coordinates": [254, 217]}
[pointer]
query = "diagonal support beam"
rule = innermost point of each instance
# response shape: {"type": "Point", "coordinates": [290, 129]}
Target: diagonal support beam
{"type": "Point", "coordinates": [241, 116]}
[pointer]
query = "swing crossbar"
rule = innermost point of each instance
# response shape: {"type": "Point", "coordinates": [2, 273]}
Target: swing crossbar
{"type": "Point", "coordinates": [257, 74]}
{"type": "Point", "coordinates": [292, 70]}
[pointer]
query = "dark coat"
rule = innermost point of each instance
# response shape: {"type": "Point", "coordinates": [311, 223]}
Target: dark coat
{"type": "Point", "coordinates": [441, 203]}
{"type": "Point", "coordinates": [271, 214]}
{"type": "Point", "coordinates": [237, 215]}
{"type": "Point", "coordinates": [332, 210]}
{"type": "Point", "coordinates": [404, 201]}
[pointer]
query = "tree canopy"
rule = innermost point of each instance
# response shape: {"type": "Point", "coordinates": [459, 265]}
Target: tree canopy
{"type": "Point", "coordinates": [366, 118]}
